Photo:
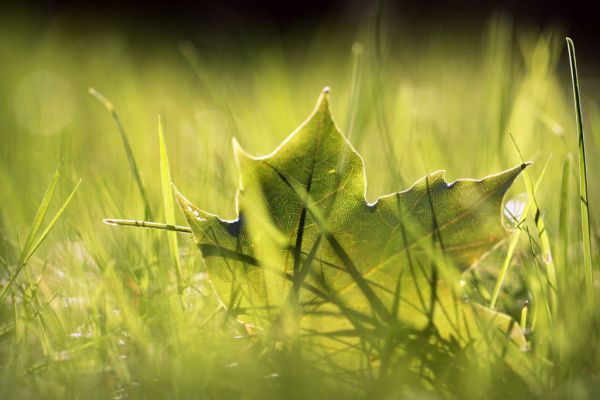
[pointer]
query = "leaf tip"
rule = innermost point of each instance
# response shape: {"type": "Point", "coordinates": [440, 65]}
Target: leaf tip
{"type": "Point", "coordinates": [323, 102]}
{"type": "Point", "coordinates": [237, 147]}
{"type": "Point", "coordinates": [181, 200]}
{"type": "Point", "coordinates": [526, 164]}
{"type": "Point", "coordinates": [177, 193]}
{"type": "Point", "coordinates": [511, 174]}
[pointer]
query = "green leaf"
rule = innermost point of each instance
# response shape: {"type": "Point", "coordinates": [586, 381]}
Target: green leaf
{"type": "Point", "coordinates": [306, 236]}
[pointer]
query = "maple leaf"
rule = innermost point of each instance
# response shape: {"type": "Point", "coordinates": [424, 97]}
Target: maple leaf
{"type": "Point", "coordinates": [306, 235]}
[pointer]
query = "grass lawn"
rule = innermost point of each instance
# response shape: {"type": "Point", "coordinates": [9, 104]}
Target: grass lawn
{"type": "Point", "coordinates": [102, 312]}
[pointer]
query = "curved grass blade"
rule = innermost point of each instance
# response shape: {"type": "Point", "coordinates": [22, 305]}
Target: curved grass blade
{"type": "Point", "coordinates": [539, 224]}
{"type": "Point", "coordinates": [53, 221]}
{"type": "Point", "coordinates": [130, 157]}
{"type": "Point", "coordinates": [513, 243]}
{"type": "Point", "coordinates": [564, 210]}
{"type": "Point", "coordinates": [583, 185]}
{"type": "Point", "coordinates": [168, 204]}
{"type": "Point", "coordinates": [33, 242]}
{"type": "Point", "coordinates": [41, 212]}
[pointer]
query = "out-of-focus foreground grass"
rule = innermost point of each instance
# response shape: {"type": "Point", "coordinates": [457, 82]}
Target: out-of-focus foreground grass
{"type": "Point", "coordinates": [96, 312]}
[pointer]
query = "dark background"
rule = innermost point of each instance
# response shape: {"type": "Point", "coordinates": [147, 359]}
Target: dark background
{"type": "Point", "coordinates": [215, 20]}
{"type": "Point", "coordinates": [580, 18]}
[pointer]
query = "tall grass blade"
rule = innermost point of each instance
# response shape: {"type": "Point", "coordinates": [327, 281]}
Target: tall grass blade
{"type": "Point", "coordinates": [35, 242]}
{"type": "Point", "coordinates": [53, 221]}
{"type": "Point", "coordinates": [583, 185]}
{"type": "Point", "coordinates": [563, 222]}
{"type": "Point", "coordinates": [539, 224]}
{"type": "Point", "coordinates": [40, 215]}
{"type": "Point", "coordinates": [168, 203]}
{"type": "Point", "coordinates": [130, 157]}
{"type": "Point", "coordinates": [504, 269]}
{"type": "Point", "coordinates": [41, 212]}
{"type": "Point", "coordinates": [513, 244]}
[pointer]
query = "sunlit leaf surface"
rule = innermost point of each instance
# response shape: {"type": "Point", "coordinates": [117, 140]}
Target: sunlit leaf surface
{"type": "Point", "coordinates": [306, 236]}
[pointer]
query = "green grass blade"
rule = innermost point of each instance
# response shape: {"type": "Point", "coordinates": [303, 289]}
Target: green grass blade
{"type": "Point", "coordinates": [53, 221]}
{"type": "Point", "coordinates": [41, 213]}
{"type": "Point", "coordinates": [504, 269]}
{"type": "Point", "coordinates": [563, 222]}
{"type": "Point", "coordinates": [168, 203]}
{"type": "Point", "coordinates": [583, 185]}
{"type": "Point", "coordinates": [28, 252]}
{"type": "Point", "coordinates": [539, 224]}
{"type": "Point", "coordinates": [512, 245]}
{"type": "Point", "coordinates": [35, 227]}
{"type": "Point", "coordinates": [147, 224]}
{"type": "Point", "coordinates": [130, 157]}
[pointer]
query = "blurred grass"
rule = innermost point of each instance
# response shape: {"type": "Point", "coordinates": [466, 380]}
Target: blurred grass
{"type": "Point", "coordinates": [101, 317]}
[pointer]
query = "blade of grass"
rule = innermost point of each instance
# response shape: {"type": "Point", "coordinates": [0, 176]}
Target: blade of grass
{"type": "Point", "coordinates": [538, 288]}
{"type": "Point", "coordinates": [130, 157]}
{"type": "Point", "coordinates": [39, 218]}
{"type": "Point", "coordinates": [583, 186]}
{"type": "Point", "coordinates": [53, 221]}
{"type": "Point", "coordinates": [41, 212]}
{"type": "Point", "coordinates": [564, 210]}
{"type": "Point", "coordinates": [147, 224]}
{"type": "Point", "coordinates": [27, 252]}
{"type": "Point", "coordinates": [539, 224]}
{"type": "Point", "coordinates": [513, 244]}
{"type": "Point", "coordinates": [35, 226]}
{"type": "Point", "coordinates": [506, 264]}
{"type": "Point", "coordinates": [169, 204]}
